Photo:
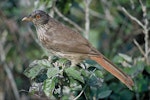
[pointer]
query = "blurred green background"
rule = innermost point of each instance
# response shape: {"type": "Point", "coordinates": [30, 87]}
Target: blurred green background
{"type": "Point", "coordinates": [111, 31]}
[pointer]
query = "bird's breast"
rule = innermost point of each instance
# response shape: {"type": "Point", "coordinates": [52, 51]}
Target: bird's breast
{"type": "Point", "coordinates": [41, 32]}
{"type": "Point", "coordinates": [45, 38]}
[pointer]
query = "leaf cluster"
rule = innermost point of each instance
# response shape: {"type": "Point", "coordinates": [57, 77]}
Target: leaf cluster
{"type": "Point", "coordinates": [60, 81]}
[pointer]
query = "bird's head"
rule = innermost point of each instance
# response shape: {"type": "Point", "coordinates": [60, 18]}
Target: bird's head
{"type": "Point", "coordinates": [38, 17]}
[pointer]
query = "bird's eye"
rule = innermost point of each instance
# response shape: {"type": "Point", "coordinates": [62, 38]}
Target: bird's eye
{"type": "Point", "coordinates": [38, 16]}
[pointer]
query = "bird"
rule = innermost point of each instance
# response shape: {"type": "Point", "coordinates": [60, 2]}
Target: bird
{"type": "Point", "coordinates": [64, 42]}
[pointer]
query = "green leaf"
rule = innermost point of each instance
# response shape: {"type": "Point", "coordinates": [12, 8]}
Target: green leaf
{"type": "Point", "coordinates": [85, 73]}
{"type": "Point", "coordinates": [74, 73]}
{"type": "Point", "coordinates": [99, 74]}
{"type": "Point", "coordinates": [43, 62]}
{"type": "Point", "coordinates": [40, 77]}
{"type": "Point", "coordinates": [104, 94]}
{"type": "Point", "coordinates": [52, 72]}
{"type": "Point", "coordinates": [32, 72]}
{"type": "Point", "coordinates": [147, 69]}
{"type": "Point", "coordinates": [138, 68]}
{"type": "Point", "coordinates": [36, 67]}
{"type": "Point", "coordinates": [63, 61]}
{"type": "Point", "coordinates": [94, 81]}
{"type": "Point", "coordinates": [126, 95]}
{"type": "Point", "coordinates": [118, 59]}
{"type": "Point", "coordinates": [125, 57]}
{"type": "Point", "coordinates": [142, 83]}
{"type": "Point", "coordinates": [49, 86]}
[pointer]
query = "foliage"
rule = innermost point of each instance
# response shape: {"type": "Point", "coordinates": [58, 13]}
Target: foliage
{"type": "Point", "coordinates": [64, 78]}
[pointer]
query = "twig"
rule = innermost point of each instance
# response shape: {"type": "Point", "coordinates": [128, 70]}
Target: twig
{"type": "Point", "coordinates": [80, 93]}
{"type": "Point", "coordinates": [68, 20]}
{"type": "Point", "coordinates": [52, 8]}
{"type": "Point", "coordinates": [84, 86]}
{"type": "Point", "coordinates": [2, 43]}
{"type": "Point", "coordinates": [12, 82]}
{"type": "Point", "coordinates": [145, 31]}
{"type": "Point", "coordinates": [106, 7]}
{"type": "Point", "coordinates": [137, 44]}
{"type": "Point", "coordinates": [133, 18]}
{"type": "Point", "coordinates": [3, 53]}
{"type": "Point", "coordinates": [149, 50]}
{"type": "Point", "coordinates": [96, 14]}
{"type": "Point", "coordinates": [87, 20]}
{"type": "Point", "coordinates": [132, 4]}
{"type": "Point", "coordinates": [143, 7]}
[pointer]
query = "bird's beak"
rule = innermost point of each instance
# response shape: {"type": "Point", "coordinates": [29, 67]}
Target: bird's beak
{"type": "Point", "coordinates": [29, 19]}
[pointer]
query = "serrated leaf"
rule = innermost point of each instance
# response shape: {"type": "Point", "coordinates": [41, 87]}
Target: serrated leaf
{"type": "Point", "coordinates": [74, 73]}
{"type": "Point", "coordinates": [104, 94]}
{"type": "Point", "coordinates": [52, 72]}
{"type": "Point", "coordinates": [49, 86]}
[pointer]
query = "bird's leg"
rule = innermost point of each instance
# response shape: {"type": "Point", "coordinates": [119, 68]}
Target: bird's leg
{"type": "Point", "coordinates": [74, 62]}
{"type": "Point", "coordinates": [82, 64]}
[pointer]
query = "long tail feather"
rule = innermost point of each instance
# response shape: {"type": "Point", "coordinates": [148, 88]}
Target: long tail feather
{"type": "Point", "coordinates": [110, 67]}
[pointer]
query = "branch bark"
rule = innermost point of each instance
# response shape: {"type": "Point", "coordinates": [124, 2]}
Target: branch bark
{"type": "Point", "coordinates": [12, 82]}
{"type": "Point", "coordinates": [137, 44]}
{"type": "Point", "coordinates": [87, 20]}
{"type": "Point", "coordinates": [145, 30]}
{"type": "Point", "coordinates": [132, 17]}
{"type": "Point", "coordinates": [3, 53]}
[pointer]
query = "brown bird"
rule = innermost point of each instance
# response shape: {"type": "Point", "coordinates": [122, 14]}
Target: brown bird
{"type": "Point", "coordinates": [64, 42]}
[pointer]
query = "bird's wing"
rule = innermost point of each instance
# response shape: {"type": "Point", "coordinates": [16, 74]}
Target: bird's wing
{"type": "Point", "coordinates": [61, 38]}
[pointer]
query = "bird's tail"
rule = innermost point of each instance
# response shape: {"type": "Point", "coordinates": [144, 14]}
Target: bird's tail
{"type": "Point", "coordinates": [110, 67]}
